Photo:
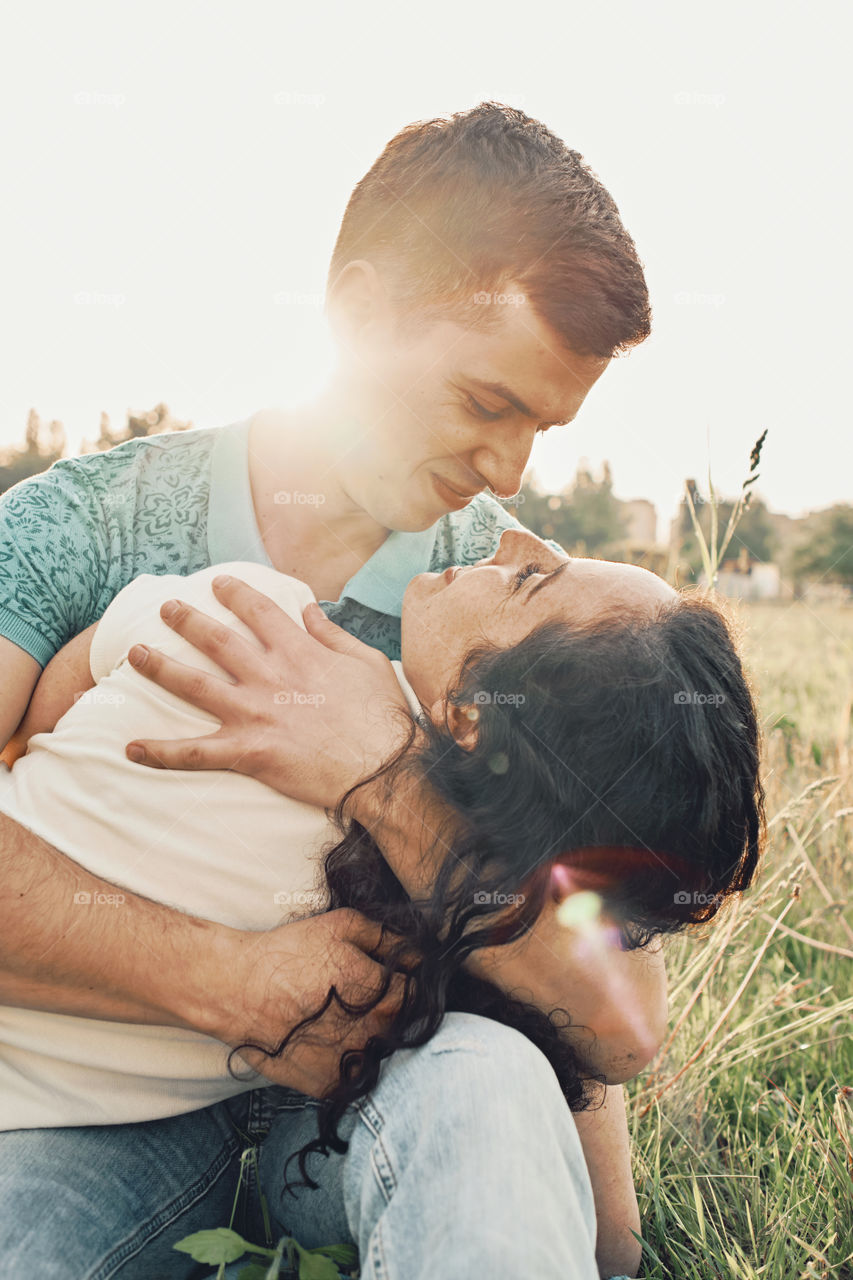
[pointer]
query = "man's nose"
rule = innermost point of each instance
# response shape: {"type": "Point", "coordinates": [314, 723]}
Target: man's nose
{"type": "Point", "coordinates": [503, 459]}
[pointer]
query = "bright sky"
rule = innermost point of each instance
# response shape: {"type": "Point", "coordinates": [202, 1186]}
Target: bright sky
{"type": "Point", "coordinates": [176, 170]}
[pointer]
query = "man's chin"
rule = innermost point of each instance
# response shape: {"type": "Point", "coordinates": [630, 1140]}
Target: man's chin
{"type": "Point", "coordinates": [414, 518]}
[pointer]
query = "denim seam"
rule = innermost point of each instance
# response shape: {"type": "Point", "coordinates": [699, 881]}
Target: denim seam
{"type": "Point", "coordinates": [129, 1248]}
{"type": "Point", "coordinates": [380, 1160]}
{"type": "Point", "coordinates": [377, 1253]}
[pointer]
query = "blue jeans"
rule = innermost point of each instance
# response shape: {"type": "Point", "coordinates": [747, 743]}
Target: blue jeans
{"type": "Point", "coordinates": [463, 1161]}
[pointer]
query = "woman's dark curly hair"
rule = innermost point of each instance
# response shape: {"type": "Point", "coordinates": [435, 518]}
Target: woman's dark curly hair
{"type": "Point", "coordinates": [627, 749]}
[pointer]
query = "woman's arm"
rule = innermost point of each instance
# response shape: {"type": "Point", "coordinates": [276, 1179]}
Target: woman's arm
{"type": "Point", "coordinates": [607, 1150]}
{"type": "Point", "coordinates": [65, 677]}
{"type": "Point", "coordinates": [617, 999]}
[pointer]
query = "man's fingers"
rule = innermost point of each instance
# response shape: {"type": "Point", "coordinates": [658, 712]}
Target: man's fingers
{"type": "Point", "coordinates": [355, 928]}
{"type": "Point", "coordinates": [267, 620]}
{"type": "Point", "coordinates": [191, 754]}
{"type": "Point", "coordinates": [334, 637]}
{"type": "Point", "coordinates": [229, 650]}
{"type": "Point", "coordinates": [204, 690]}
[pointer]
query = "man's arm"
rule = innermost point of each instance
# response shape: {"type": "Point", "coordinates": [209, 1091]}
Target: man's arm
{"type": "Point", "coordinates": [20, 674]}
{"type": "Point", "coordinates": [149, 963]}
{"type": "Point", "coordinates": [65, 677]}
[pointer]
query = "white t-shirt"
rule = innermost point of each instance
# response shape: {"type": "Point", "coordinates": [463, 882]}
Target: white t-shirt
{"type": "Point", "coordinates": [215, 844]}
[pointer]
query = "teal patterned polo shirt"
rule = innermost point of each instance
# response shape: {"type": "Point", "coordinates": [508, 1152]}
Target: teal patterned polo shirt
{"type": "Point", "coordinates": [72, 537]}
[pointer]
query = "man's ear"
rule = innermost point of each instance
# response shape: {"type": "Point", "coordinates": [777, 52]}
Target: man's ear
{"type": "Point", "coordinates": [462, 722]}
{"type": "Point", "coordinates": [358, 303]}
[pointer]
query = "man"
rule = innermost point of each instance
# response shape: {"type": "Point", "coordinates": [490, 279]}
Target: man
{"type": "Point", "coordinates": [480, 284]}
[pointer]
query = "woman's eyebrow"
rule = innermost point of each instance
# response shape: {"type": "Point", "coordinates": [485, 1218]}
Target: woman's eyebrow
{"type": "Point", "coordinates": [555, 573]}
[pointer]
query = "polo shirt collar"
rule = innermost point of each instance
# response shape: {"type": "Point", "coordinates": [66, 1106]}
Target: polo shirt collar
{"type": "Point", "coordinates": [233, 534]}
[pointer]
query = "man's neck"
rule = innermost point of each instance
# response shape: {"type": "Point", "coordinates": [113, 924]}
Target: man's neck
{"type": "Point", "coordinates": [310, 526]}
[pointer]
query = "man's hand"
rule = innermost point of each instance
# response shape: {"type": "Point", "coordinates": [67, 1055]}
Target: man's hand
{"type": "Point", "coordinates": [285, 974]}
{"type": "Point", "coordinates": [310, 716]}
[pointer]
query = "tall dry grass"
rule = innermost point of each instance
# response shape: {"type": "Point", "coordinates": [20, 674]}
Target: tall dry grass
{"type": "Point", "coordinates": [743, 1125]}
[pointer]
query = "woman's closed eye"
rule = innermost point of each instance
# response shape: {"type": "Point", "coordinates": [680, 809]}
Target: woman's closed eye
{"type": "Point", "coordinates": [522, 575]}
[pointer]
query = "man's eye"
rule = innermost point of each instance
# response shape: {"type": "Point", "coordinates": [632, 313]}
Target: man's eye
{"type": "Point", "coordinates": [480, 411]}
{"type": "Point", "coordinates": [523, 574]}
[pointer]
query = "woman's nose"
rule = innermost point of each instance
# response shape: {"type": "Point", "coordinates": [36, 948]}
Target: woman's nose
{"type": "Point", "coordinates": [518, 546]}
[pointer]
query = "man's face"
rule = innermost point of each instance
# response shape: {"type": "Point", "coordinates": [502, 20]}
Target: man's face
{"type": "Point", "coordinates": [418, 443]}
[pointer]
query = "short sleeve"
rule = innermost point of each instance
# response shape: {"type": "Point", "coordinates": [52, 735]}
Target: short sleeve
{"type": "Point", "coordinates": [464, 537]}
{"type": "Point", "coordinates": [512, 523]}
{"type": "Point", "coordinates": [133, 616]}
{"type": "Point", "coordinates": [53, 559]}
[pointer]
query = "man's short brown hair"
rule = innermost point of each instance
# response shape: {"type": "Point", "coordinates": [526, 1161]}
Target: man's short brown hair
{"type": "Point", "coordinates": [456, 208]}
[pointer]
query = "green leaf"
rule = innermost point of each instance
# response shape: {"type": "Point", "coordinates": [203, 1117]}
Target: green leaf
{"type": "Point", "coordinates": [219, 1245]}
{"type": "Point", "coordinates": [313, 1266]}
{"type": "Point", "coordinates": [347, 1254]}
{"type": "Point", "coordinates": [254, 1271]}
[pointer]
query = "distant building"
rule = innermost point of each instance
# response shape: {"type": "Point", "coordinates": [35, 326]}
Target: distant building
{"type": "Point", "coordinates": [641, 522]}
{"type": "Point", "coordinates": [755, 582]}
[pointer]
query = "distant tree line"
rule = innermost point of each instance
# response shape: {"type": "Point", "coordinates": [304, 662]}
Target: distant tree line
{"type": "Point", "coordinates": [45, 444]}
{"type": "Point", "coordinates": [584, 517]}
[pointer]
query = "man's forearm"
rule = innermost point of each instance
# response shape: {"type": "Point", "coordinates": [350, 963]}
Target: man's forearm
{"type": "Point", "coordinates": [616, 999]}
{"type": "Point", "coordinates": [72, 943]}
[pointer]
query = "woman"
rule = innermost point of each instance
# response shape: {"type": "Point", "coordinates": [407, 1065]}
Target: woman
{"type": "Point", "coordinates": [632, 767]}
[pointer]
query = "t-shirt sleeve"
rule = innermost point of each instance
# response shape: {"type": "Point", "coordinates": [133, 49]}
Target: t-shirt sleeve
{"type": "Point", "coordinates": [53, 559]}
{"type": "Point", "coordinates": [133, 616]}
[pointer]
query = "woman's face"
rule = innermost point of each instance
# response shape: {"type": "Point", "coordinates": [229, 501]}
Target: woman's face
{"type": "Point", "coordinates": [501, 600]}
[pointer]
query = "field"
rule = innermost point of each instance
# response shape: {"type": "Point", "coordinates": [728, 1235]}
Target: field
{"type": "Point", "coordinates": [743, 1126]}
